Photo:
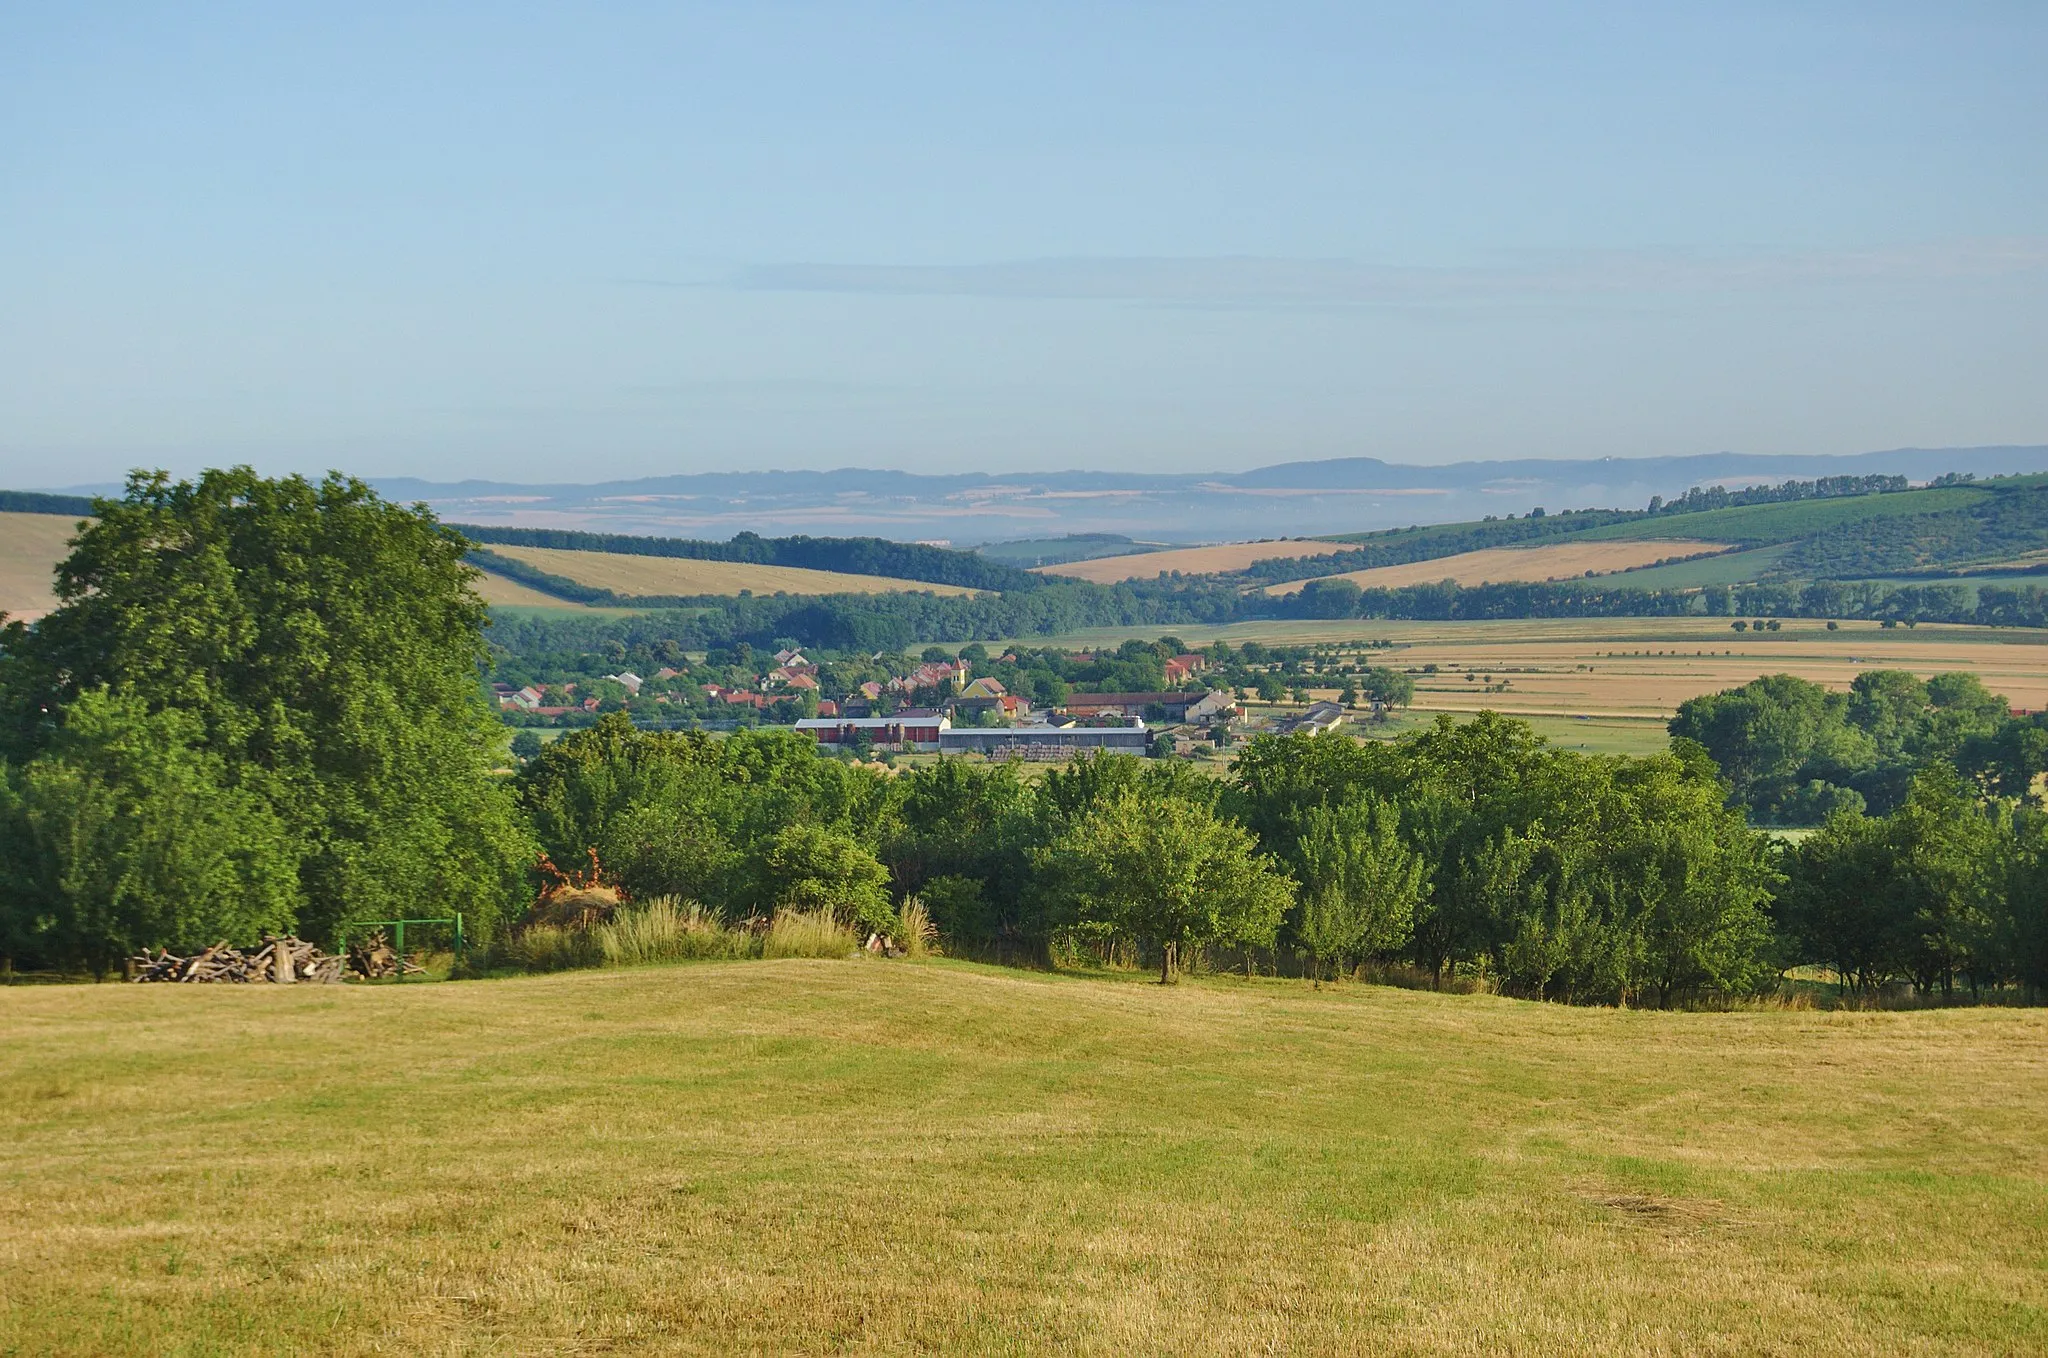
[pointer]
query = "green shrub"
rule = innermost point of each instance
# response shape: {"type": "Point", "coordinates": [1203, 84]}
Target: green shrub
{"type": "Point", "coordinates": [808, 933]}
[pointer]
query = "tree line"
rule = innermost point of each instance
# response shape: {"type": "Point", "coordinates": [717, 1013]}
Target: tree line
{"type": "Point", "coordinates": [1794, 752]}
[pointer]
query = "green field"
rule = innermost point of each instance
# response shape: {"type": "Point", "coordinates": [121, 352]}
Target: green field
{"type": "Point", "coordinates": [1788, 519]}
{"type": "Point", "coordinates": [1730, 568]}
{"type": "Point", "coordinates": [889, 1156]}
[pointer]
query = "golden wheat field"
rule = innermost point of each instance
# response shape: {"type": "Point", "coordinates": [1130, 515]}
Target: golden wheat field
{"type": "Point", "coordinates": [31, 545]}
{"type": "Point", "coordinates": [656, 575]}
{"type": "Point", "coordinates": [886, 1157]}
{"type": "Point", "coordinates": [1229, 556]}
{"type": "Point", "coordinates": [1564, 561]}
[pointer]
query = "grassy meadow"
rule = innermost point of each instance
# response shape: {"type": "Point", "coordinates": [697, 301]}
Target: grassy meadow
{"type": "Point", "coordinates": [886, 1156]}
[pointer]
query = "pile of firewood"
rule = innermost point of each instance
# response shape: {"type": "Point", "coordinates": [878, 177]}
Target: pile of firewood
{"type": "Point", "coordinates": [373, 958]}
{"type": "Point", "coordinates": [281, 960]}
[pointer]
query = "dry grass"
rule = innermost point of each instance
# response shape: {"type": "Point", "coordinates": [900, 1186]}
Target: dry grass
{"type": "Point", "coordinates": [1563, 561]}
{"type": "Point", "coordinates": [31, 545]}
{"type": "Point", "coordinates": [883, 1156]}
{"type": "Point", "coordinates": [808, 933]}
{"type": "Point", "coordinates": [658, 575]}
{"type": "Point", "coordinates": [1229, 556]}
{"type": "Point", "coordinates": [667, 930]}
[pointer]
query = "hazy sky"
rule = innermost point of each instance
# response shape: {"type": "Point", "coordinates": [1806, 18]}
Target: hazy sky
{"type": "Point", "coordinates": [577, 242]}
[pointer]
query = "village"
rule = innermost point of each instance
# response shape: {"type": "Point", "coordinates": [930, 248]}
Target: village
{"type": "Point", "coordinates": [1037, 704]}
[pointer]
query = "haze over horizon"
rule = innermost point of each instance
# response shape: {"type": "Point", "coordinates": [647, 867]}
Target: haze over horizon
{"type": "Point", "coordinates": [449, 243]}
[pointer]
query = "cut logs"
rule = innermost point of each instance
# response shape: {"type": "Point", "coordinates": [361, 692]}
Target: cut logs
{"type": "Point", "coordinates": [278, 960]}
{"type": "Point", "coordinates": [374, 959]}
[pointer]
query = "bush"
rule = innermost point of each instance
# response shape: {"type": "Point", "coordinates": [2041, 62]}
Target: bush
{"type": "Point", "coordinates": [667, 930]}
{"type": "Point", "coordinates": [808, 933]}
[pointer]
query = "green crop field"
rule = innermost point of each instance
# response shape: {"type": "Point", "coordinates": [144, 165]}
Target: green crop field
{"type": "Point", "coordinates": [1730, 568]}
{"type": "Point", "coordinates": [890, 1156]}
{"type": "Point", "coordinates": [1790, 519]}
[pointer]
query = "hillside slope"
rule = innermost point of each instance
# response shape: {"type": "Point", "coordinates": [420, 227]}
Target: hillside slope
{"type": "Point", "coordinates": [803, 1156]}
{"type": "Point", "coordinates": [632, 577]}
{"type": "Point", "coordinates": [31, 545]}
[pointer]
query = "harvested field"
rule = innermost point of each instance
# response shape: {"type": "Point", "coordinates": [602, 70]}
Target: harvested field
{"type": "Point", "coordinates": [658, 575]}
{"type": "Point", "coordinates": [1640, 667]}
{"type": "Point", "coordinates": [1229, 556]}
{"type": "Point", "coordinates": [31, 545]}
{"type": "Point", "coordinates": [1560, 561]}
{"type": "Point", "coordinates": [870, 1156]}
{"type": "Point", "coordinates": [500, 592]}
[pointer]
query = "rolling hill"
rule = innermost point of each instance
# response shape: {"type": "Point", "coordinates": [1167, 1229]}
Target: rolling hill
{"type": "Point", "coordinates": [884, 1157]}
{"type": "Point", "coordinates": [31, 545]}
{"type": "Point", "coordinates": [632, 577]}
{"type": "Point", "coordinates": [1574, 559]}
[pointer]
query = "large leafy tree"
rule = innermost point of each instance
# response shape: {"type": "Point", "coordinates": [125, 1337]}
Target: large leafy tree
{"type": "Point", "coordinates": [1162, 868]}
{"type": "Point", "coordinates": [1360, 883]}
{"type": "Point", "coordinates": [124, 834]}
{"type": "Point", "coordinates": [326, 643]}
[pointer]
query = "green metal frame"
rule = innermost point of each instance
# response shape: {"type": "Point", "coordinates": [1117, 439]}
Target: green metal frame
{"type": "Point", "coordinates": [397, 927]}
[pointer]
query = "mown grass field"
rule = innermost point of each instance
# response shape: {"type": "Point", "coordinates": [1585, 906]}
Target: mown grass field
{"type": "Point", "coordinates": [31, 545]}
{"type": "Point", "coordinates": [1559, 561]}
{"type": "Point", "coordinates": [876, 1156]}
{"type": "Point", "coordinates": [640, 576]}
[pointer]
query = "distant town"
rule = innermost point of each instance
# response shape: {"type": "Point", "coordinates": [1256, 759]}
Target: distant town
{"type": "Point", "coordinates": [1159, 698]}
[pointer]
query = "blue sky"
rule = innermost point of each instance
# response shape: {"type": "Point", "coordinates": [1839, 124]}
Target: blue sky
{"type": "Point", "coordinates": [575, 242]}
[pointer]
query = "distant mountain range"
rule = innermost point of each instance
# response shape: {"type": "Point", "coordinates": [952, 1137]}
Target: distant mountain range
{"type": "Point", "coordinates": [1291, 499]}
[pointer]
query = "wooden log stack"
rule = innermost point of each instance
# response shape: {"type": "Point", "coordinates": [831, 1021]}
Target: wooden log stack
{"type": "Point", "coordinates": [373, 958]}
{"type": "Point", "coordinates": [278, 960]}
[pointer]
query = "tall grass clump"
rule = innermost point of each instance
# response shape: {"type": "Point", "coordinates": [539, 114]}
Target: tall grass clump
{"type": "Point", "coordinates": [668, 930]}
{"type": "Point", "coordinates": [808, 933]}
{"type": "Point", "coordinates": [914, 928]}
{"type": "Point", "coordinates": [553, 947]}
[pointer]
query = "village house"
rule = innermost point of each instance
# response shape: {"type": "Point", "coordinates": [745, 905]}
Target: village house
{"type": "Point", "coordinates": [984, 696]}
{"type": "Point", "coordinates": [932, 674]}
{"type": "Point", "coordinates": [1182, 668]}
